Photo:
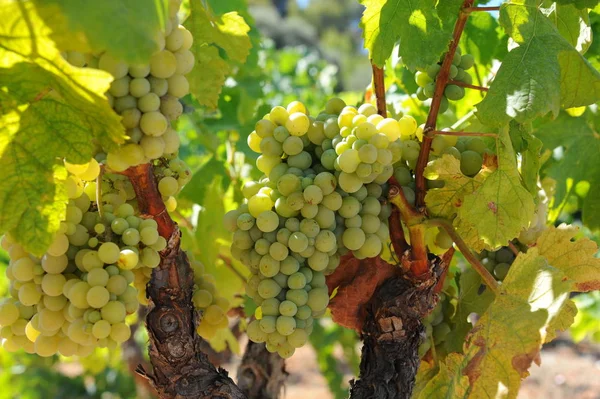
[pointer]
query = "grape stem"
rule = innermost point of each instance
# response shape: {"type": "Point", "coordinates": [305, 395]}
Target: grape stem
{"type": "Point", "coordinates": [441, 81]}
{"type": "Point", "coordinates": [479, 134]}
{"type": "Point", "coordinates": [379, 87]}
{"type": "Point", "coordinates": [467, 85]}
{"type": "Point", "coordinates": [489, 280]}
{"type": "Point", "coordinates": [475, 9]}
{"type": "Point", "coordinates": [99, 191]}
{"type": "Point", "coordinates": [513, 248]}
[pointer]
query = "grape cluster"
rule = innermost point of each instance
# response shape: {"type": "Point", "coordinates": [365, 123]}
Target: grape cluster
{"type": "Point", "coordinates": [437, 323]}
{"type": "Point", "coordinates": [426, 79]}
{"type": "Point", "coordinates": [497, 262]}
{"type": "Point", "coordinates": [320, 197]}
{"type": "Point", "coordinates": [76, 296]}
{"type": "Point", "coordinates": [147, 95]}
{"type": "Point", "coordinates": [172, 175]}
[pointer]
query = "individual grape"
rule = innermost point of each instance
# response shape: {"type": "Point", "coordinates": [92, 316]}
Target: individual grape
{"type": "Point", "coordinates": [285, 325]}
{"type": "Point", "coordinates": [109, 252]}
{"type": "Point", "coordinates": [139, 87]}
{"type": "Point", "coordinates": [97, 297]}
{"type": "Point", "coordinates": [267, 221]}
{"type": "Point", "coordinates": [350, 207]}
{"type": "Point", "coordinates": [113, 312]}
{"type": "Point", "coordinates": [454, 92]}
{"type": "Point", "coordinates": [318, 299]}
{"type": "Point", "coordinates": [268, 288]}
{"type": "Point", "coordinates": [101, 329]}
{"type": "Point", "coordinates": [255, 333]}
{"type": "Point", "coordinates": [9, 313]}
{"type": "Point", "coordinates": [353, 238]}
{"type": "Point", "coordinates": [467, 61]}
{"type": "Point", "coordinates": [278, 251]}
{"type": "Point", "coordinates": [163, 64]}
{"type": "Point", "coordinates": [298, 242]}
{"type": "Point", "coordinates": [52, 284]}
{"type": "Point", "coordinates": [470, 163]}
{"type": "Point", "coordinates": [501, 270]}
{"type": "Point", "coordinates": [153, 123]}
{"type": "Point", "coordinates": [325, 241]}
{"type": "Point", "coordinates": [372, 246]}
{"type": "Point", "coordinates": [288, 308]}
{"type": "Point", "coordinates": [350, 183]}
{"type": "Point", "coordinates": [113, 66]}
{"type": "Point", "coordinates": [22, 269]}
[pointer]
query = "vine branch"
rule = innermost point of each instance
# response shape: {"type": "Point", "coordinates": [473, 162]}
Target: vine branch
{"type": "Point", "coordinates": [467, 85]}
{"type": "Point", "coordinates": [441, 81]}
{"type": "Point", "coordinates": [379, 87]}
{"type": "Point", "coordinates": [489, 280]}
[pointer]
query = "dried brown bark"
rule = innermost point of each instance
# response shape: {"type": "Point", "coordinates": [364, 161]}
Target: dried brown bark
{"type": "Point", "coordinates": [261, 374]}
{"type": "Point", "coordinates": [180, 368]}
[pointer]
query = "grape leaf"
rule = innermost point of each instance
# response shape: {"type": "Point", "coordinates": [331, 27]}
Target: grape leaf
{"type": "Point", "coordinates": [508, 337]}
{"type": "Point", "coordinates": [481, 37]}
{"type": "Point", "coordinates": [127, 29]}
{"type": "Point", "coordinates": [445, 202]}
{"type": "Point", "coordinates": [578, 164]}
{"type": "Point", "coordinates": [540, 75]}
{"type": "Point", "coordinates": [50, 110]}
{"type": "Point", "coordinates": [448, 382]}
{"type": "Point", "coordinates": [500, 207]}
{"type": "Point", "coordinates": [195, 190]}
{"type": "Point", "coordinates": [529, 147]}
{"type": "Point", "coordinates": [473, 298]}
{"type": "Point", "coordinates": [580, 3]}
{"type": "Point", "coordinates": [575, 258]}
{"type": "Point", "coordinates": [573, 24]}
{"type": "Point", "coordinates": [228, 32]}
{"type": "Point", "coordinates": [417, 25]}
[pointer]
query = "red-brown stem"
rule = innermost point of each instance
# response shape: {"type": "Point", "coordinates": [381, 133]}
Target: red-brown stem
{"type": "Point", "coordinates": [446, 259]}
{"type": "Point", "coordinates": [397, 233]}
{"type": "Point", "coordinates": [467, 85]}
{"type": "Point", "coordinates": [441, 81]}
{"type": "Point", "coordinates": [149, 199]}
{"type": "Point", "coordinates": [513, 248]}
{"type": "Point", "coordinates": [379, 87]}
{"type": "Point", "coordinates": [474, 9]}
{"type": "Point", "coordinates": [478, 134]}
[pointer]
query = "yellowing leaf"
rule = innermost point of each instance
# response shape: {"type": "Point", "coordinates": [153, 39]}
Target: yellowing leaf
{"type": "Point", "coordinates": [449, 382]}
{"type": "Point", "coordinates": [49, 110]}
{"type": "Point", "coordinates": [228, 32]}
{"type": "Point", "coordinates": [500, 207]}
{"type": "Point", "coordinates": [574, 258]}
{"type": "Point", "coordinates": [445, 201]}
{"type": "Point", "coordinates": [509, 335]}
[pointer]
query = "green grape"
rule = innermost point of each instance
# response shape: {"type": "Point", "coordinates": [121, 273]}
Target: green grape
{"type": "Point", "coordinates": [429, 90]}
{"type": "Point", "coordinates": [443, 239]}
{"type": "Point", "coordinates": [139, 70]}
{"type": "Point", "coordinates": [301, 161]}
{"type": "Point", "coordinates": [353, 238]}
{"type": "Point", "coordinates": [255, 333]}
{"type": "Point", "coordinates": [289, 265]}
{"type": "Point", "coordinates": [97, 297]}
{"type": "Point", "coordinates": [109, 252]}
{"type": "Point", "coordinates": [371, 205]}
{"type": "Point", "coordinates": [349, 182]}
{"type": "Point", "coordinates": [128, 259]}
{"type": "Point", "coordinates": [423, 78]}
{"type": "Point", "coordinates": [268, 288]}
{"type": "Point", "coordinates": [298, 338]}
{"type": "Point", "coordinates": [52, 284]}
{"type": "Point", "coordinates": [171, 107]}
{"type": "Point", "coordinates": [470, 163]}
{"type": "Point", "coordinates": [22, 269]}
{"type": "Point", "coordinates": [285, 325]}
{"type": "Point", "coordinates": [298, 242]}
{"type": "Point", "coordinates": [372, 246]}
{"type": "Point", "coordinates": [350, 207]}
{"type": "Point", "coordinates": [149, 235]}
{"type": "Point", "coordinates": [278, 251]}
{"type": "Point", "coordinates": [328, 159]}
{"type": "Point", "coordinates": [9, 313]}
{"type": "Point", "coordinates": [288, 308]}
{"type": "Point", "coordinates": [113, 66]}
{"type": "Point", "coordinates": [270, 307]}
{"type": "Point", "coordinates": [163, 64]}
{"type": "Point", "coordinates": [298, 296]}
{"type": "Point", "coordinates": [292, 145]}
{"type": "Point", "coordinates": [268, 324]}
{"type": "Point", "coordinates": [354, 221]}
{"type": "Point", "coordinates": [296, 280]}
{"type": "Point", "coordinates": [113, 312]}
{"type": "Point", "coordinates": [370, 224]}
{"type": "Point", "coordinates": [267, 221]}
{"type": "Point", "coordinates": [318, 261]}
{"type": "Point", "coordinates": [153, 123]}
{"type": "Point", "coordinates": [318, 299]}
{"type": "Point", "coordinates": [454, 92]}
{"type": "Point", "coordinates": [476, 144]}
{"type": "Point", "coordinates": [325, 241]}
{"type": "Point", "coordinates": [409, 194]}
{"type": "Point", "coordinates": [139, 87]}
{"type": "Point", "coordinates": [326, 182]}
{"type": "Point", "coordinates": [150, 258]}
{"type": "Point", "coordinates": [444, 104]}
{"type": "Point", "coordinates": [168, 186]}
{"type": "Point", "coordinates": [433, 70]}
{"type": "Point", "coordinates": [101, 329]}
{"type": "Point", "coordinates": [501, 270]}
{"type": "Point", "coordinates": [504, 255]}
{"type": "Point", "coordinates": [297, 124]}
{"type": "Point", "coordinates": [120, 332]}
{"type": "Point", "coordinates": [467, 61]}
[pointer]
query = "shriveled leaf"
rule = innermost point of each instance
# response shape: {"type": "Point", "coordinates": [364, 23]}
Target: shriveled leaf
{"type": "Point", "coordinates": [50, 110]}
{"type": "Point", "coordinates": [445, 202]}
{"type": "Point", "coordinates": [579, 162]}
{"type": "Point", "coordinates": [500, 207]}
{"type": "Point", "coordinates": [416, 24]}
{"type": "Point", "coordinates": [127, 29]}
{"type": "Point", "coordinates": [355, 281]}
{"type": "Point", "coordinates": [539, 76]}
{"type": "Point", "coordinates": [575, 258]}
{"type": "Point", "coordinates": [228, 32]}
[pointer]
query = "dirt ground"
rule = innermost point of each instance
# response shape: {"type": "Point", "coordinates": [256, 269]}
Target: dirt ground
{"type": "Point", "coordinates": [567, 371]}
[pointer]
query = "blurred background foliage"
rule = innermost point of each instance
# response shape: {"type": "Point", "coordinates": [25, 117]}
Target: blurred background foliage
{"type": "Point", "coordinates": [302, 50]}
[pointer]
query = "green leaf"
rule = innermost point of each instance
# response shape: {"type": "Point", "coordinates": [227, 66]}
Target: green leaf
{"type": "Point", "coordinates": [540, 75]}
{"type": "Point", "coordinates": [228, 32]}
{"type": "Point", "coordinates": [580, 3]}
{"type": "Point", "coordinates": [50, 111]}
{"type": "Point", "coordinates": [579, 162]}
{"type": "Point", "coordinates": [416, 24]}
{"type": "Point", "coordinates": [473, 298]}
{"type": "Point", "coordinates": [573, 24]}
{"type": "Point", "coordinates": [529, 147]}
{"type": "Point", "coordinates": [481, 36]}
{"type": "Point", "coordinates": [448, 382]}
{"type": "Point", "coordinates": [500, 207]}
{"type": "Point", "coordinates": [126, 29]}
{"type": "Point", "coordinates": [195, 190]}
{"type": "Point", "coordinates": [444, 202]}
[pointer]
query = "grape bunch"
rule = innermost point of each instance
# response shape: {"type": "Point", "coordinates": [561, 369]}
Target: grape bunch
{"type": "Point", "coordinates": [172, 175]}
{"type": "Point", "coordinates": [76, 296]}
{"type": "Point", "coordinates": [320, 197]}
{"type": "Point", "coordinates": [426, 79]}
{"type": "Point", "coordinates": [147, 95]}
